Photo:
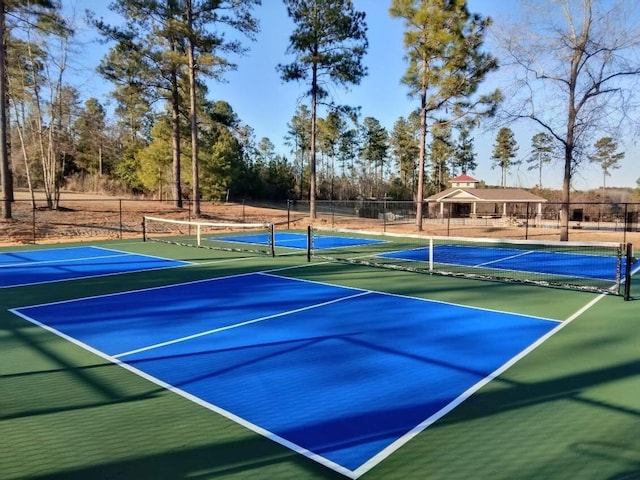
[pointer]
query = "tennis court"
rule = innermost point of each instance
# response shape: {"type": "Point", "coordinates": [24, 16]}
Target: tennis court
{"type": "Point", "coordinates": [51, 265]}
{"type": "Point", "coordinates": [235, 366]}
{"type": "Point", "coordinates": [398, 373]}
{"type": "Point", "coordinates": [576, 265]}
{"type": "Point", "coordinates": [299, 241]}
{"type": "Point", "coordinates": [602, 267]}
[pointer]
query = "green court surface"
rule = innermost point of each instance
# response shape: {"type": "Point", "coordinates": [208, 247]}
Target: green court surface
{"type": "Point", "coordinates": [569, 409]}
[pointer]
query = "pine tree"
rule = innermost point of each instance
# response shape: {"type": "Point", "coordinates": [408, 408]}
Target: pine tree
{"type": "Point", "coordinates": [465, 157]}
{"type": "Point", "coordinates": [542, 149]}
{"type": "Point", "coordinates": [441, 152]}
{"type": "Point", "coordinates": [299, 137]}
{"type": "Point", "coordinates": [405, 149]}
{"type": "Point", "coordinates": [443, 42]}
{"type": "Point", "coordinates": [172, 44]}
{"type": "Point", "coordinates": [89, 128]}
{"type": "Point", "coordinates": [607, 158]}
{"type": "Point", "coordinates": [375, 144]}
{"type": "Point", "coordinates": [329, 42]}
{"type": "Point", "coordinates": [504, 151]}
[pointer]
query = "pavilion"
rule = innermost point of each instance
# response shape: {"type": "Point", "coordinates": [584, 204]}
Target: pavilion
{"type": "Point", "coordinates": [464, 199]}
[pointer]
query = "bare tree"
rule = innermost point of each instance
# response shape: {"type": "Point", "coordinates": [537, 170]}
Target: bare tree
{"type": "Point", "coordinates": [576, 65]}
{"type": "Point", "coordinates": [5, 173]}
{"type": "Point", "coordinates": [37, 12]}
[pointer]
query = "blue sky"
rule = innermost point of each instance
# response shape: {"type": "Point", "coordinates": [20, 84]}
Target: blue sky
{"type": "Point", "coordinates": [263, 101]}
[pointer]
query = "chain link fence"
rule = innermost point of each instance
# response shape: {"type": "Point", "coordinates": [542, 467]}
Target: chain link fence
{"type": "Point", "coordinates": [83, 217]}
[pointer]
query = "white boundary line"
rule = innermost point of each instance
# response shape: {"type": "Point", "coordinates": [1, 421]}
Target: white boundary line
{"type": "Point", "coordinates": [139, 254]}
{"type": "Point", "coordinates": [70, 260]}
{"type": "Point", "coordinates": [183, 263]}
{"type": "Point", "coordinates": [410, 297]}
{"type": "Point", "coordinates": [127, 292]}
{"type": "Point", "coordinates": [33, 250]}
{"type": "Point", "coordinates": [197, 400]}
{"type": "Point", "coordinates": [383, 454]}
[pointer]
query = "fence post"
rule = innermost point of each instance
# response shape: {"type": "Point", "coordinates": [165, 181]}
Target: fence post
{"type": "Point", "coordinates": [333, 213]}
{"type": "Point", "coordinates": [625, 226]}
{"type": "Point", "coordinates": [33, 223]}
{"type": "Point", "coordinates": [384, 215]}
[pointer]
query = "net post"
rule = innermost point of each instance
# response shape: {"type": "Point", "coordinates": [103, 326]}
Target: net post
{"type": "Point", "coordinates": [144, 229]}
{"type": "Point", "coordinates": [272, 240]}
{"type": "Point", "coordinates": [309, 242]}
{"type": "Point", "coordinates": [198, 233]}
{"type": "Point", "coordinates": [627, 271]}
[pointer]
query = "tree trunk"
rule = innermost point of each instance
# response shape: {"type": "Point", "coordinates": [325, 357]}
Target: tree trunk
{"type": "Point", "coordinates": [312, 160]}
{"type": "Point", "coordinates": [5, 173]}
{"type": "Point", "coordinates": [568, 165]}
{"type": "Point", "coordinates": [175, 140]}
{"type": "Point", "coordinates": [193, 114]}
{"type": "Point", "coordinates": [566, 196]}
{"type": "Point", "coordinates": [422, 155]}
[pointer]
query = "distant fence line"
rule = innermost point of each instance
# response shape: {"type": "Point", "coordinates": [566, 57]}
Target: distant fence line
{"type": "Point", "coordinates": [98, 218]}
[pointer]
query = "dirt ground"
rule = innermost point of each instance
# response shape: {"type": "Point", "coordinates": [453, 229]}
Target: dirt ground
{"type": "Point", "coordinates": [88, 217]}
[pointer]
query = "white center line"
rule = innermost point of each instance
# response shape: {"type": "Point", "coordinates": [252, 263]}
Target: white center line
{"type": "Point", "coordinates": [236, 325]}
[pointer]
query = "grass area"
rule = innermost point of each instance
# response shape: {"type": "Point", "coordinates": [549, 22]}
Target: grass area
{"type": "Point", "coordinates": [570, 409]}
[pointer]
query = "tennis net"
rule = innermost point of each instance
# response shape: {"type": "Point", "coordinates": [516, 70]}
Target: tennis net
{"type": "Point", "coordinates": [228, 236]}
{"type": "Point", "coordinates": [593, 266]}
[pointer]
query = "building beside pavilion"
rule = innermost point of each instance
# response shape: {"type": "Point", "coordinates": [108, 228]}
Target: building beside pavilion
{"type": "Point", "coordinates": [464, 199]}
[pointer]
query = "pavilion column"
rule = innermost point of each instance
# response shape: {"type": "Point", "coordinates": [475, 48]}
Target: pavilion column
{"type": "Point", "coordinates": [539, 214]}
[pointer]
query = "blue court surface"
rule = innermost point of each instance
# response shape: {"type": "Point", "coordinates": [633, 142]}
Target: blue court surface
{"type": "Point", "coordinates": [546, 263]}
{"type": "Point", "coordinates": [299, 240]}
{"type": "Point", "coordinates": [50, 265]}
{"type": "Point", "coordinates": [341, 375]}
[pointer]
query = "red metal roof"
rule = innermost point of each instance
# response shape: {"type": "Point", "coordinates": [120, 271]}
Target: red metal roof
{"type": "Point", "coordinates": [464, 178]}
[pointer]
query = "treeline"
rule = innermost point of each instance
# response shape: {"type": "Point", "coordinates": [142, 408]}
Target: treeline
{"type": "Point", "coordinates": [167, 138]}
{"type": "Point", "coordinates": [162, 111]}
